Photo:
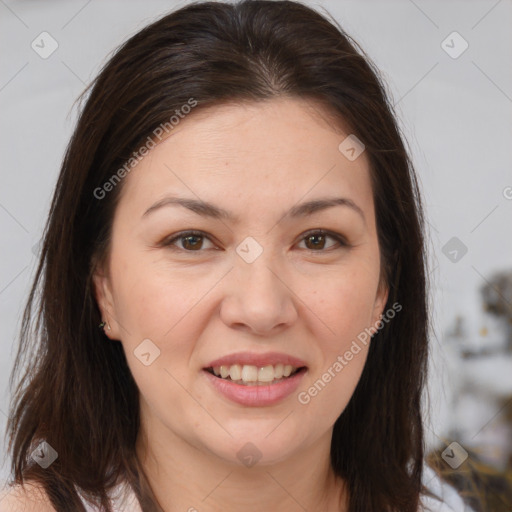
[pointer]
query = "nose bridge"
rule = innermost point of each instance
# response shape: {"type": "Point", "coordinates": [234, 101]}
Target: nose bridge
{"type": "Point", "coordinates": [258, 299]}
{"type": "Point", "coordinates": [257, 266]}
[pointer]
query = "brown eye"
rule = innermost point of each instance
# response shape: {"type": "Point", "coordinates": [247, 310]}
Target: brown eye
{"type": "Point", "coordinates": [316, 240]}
{"type": "Point", "coordinates": [191, 241]}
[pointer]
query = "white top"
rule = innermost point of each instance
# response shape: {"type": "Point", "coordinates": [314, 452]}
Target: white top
{"type": "Point", "coordinates": [451, 501]}
{"type": "Point", "coordinates": [123, 498]}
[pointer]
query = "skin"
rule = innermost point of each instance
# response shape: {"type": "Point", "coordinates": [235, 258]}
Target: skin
{"type": "Point", "coordinates": [256, 160]}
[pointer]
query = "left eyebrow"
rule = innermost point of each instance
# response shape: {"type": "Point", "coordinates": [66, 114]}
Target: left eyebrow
{"type": "Point", "coordinates": [206, 209]}
{"type": "Point", "coordinates": [311, 207]}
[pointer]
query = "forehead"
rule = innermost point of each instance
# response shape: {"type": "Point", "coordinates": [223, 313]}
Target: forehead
{"type": "Point", "coordinates": [272, 152]}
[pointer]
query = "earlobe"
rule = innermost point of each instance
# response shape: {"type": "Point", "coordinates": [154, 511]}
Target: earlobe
{"type": "Point", "coordinates": [104, 299]}
{"type": "Point", "coordinates": [380, 301]}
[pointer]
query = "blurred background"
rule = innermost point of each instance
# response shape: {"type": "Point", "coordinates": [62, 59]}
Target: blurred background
{"type": "Point", "coordinates": [447, 65]}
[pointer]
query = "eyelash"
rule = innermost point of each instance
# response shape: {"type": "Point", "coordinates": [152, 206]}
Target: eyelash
{"type": "Point", "coordinates": [338, 238]}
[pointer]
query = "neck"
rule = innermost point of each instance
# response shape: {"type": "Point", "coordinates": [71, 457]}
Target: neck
{"type": "Point", "coordinates": [187, 478]}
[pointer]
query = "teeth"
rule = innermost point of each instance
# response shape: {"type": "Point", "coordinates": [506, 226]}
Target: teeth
{"type": "Point", "coordinates": [235, 372]}
{"type": "Point", "coordinates": [265, 374]}
{"type": "Point", "coordinates": [250, 373]}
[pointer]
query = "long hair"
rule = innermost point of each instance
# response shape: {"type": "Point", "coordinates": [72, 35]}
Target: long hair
{"type": "Point", "coordinates": [76, 391]}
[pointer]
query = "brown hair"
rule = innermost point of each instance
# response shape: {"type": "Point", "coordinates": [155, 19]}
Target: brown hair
{"type": "Point", "coordinates": [77, 392]}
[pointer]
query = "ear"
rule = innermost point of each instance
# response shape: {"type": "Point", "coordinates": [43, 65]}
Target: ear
{"type": "Point", "coordinates": [381, 299]}
{"type": "Point", "coordinates": [102, 288]}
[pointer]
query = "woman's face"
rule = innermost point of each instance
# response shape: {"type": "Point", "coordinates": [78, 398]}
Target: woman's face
{"type": "Point", "coordinates": [257, 287]}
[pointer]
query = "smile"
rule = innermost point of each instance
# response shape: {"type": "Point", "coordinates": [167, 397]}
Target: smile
{"type": "Point", "coordinates": [254, 393]}
{"type": "Point", "coordinates": [252, 375]}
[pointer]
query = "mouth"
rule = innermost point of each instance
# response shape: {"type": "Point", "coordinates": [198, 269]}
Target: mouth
{"type": "Point", "coordinates": [251, 375]}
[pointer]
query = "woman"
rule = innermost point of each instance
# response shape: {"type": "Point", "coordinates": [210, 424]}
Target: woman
{"type": "Point", "coordinates": [237, 211]}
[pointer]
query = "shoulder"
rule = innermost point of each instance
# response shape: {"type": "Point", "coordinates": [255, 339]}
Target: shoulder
{"type": "Point", "coordinates": [29, 497]}
{"type": "Point", "coordinates": [449, 499]}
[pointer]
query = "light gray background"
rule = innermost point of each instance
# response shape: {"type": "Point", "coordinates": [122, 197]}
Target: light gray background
{"type": "Point", "coordinates": [456, 114]}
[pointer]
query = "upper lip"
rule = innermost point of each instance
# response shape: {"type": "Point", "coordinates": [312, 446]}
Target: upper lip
{"type": "Point", "coordinates": [259, 360]}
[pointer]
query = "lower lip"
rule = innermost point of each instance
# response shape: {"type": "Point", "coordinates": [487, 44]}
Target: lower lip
{"type": "Point", "coordinates": [256, 396]}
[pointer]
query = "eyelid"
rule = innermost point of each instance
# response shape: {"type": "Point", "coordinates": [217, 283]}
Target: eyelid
{"type": "Point", "coordinates": [169, 241]}
{"type": "Point", "coordinates": [319, 231]}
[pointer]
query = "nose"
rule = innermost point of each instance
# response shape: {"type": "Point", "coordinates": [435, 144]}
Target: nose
{"type": "Point", "coordinates": [258, 299]}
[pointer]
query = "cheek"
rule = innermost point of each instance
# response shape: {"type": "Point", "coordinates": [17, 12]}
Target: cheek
{"type": "Point", "coordinates": [329, 387]}
{"type": "Point", "coordinates": [341, 357]}
{"type": "Point", "coordinates": [158, 307]}
{"type": "Point", "coordinates": [159, 304]}
{"type": "Point", "coordinates": [150, 298]}
{"type": "Point", "coordinates": [346, 304]}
